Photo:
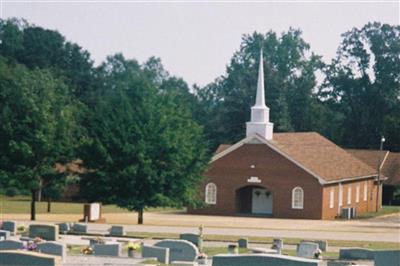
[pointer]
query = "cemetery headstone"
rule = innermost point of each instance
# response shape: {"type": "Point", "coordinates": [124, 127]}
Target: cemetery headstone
{"type": "Point", "coordinates": [11, 244]}
{"type": "Point", "coordinates": [64, 228]}
{"type": "Point", "coordinates": [277, 244]}
{"type": "Point", "coordinates": [53, 248]}
{"type": "Point", "coordinates": [179, 250]}
{"type": "Point", "coordinates": [193, 238]}
{"type": "Point", "coordinates": [107, 249]}
{"type": "Point", "coordinates": [307, 249]}
{"type": "Point", "coordinates": [4, 234]}
{"type": "Point", "coordinates": [356, 254]}
{"type": "Point", "coordinates": [243, 242]}
{"type": "Point", "coordinates": [387, 257]}
{"type": "Point", "coordinates": [79, 228]}
{"type": "Point", "coordinates": [10, 226]}
{"type": "Point", "coordinates": [26, 258]}
{"type": "Point", "coordinates": [117, 230]}
{"type": "Point", "coordinates": [160, 253]}
{"type": "Point", "coordinates": [44, 231]}
{"type": "Point", "coordinates": [92, 213]}
{"type": "Point", "coordinates": [263, 260]}
{"type": "Point", "coordinates": [323, 244]}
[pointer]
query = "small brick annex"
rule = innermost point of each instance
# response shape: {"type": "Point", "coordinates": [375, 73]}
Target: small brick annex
{"type": "Point", "coordinates": [279, 176]}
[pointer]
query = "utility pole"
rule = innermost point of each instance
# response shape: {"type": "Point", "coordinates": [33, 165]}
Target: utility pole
{"type": "Point", "coordinates": [379, 174]}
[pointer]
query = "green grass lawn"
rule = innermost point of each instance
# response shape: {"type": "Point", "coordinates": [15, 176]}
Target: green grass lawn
{"type": "Point", "coordinates": [383, 211]}
{"type": "Point", "coordinates": [21, 204]}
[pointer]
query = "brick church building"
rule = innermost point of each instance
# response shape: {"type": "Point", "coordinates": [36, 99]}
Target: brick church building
{"type": "Point", "coordinates": [286, 175]}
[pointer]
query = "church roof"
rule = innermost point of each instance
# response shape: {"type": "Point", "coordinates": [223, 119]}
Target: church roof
{"type": "Point", "coordinates": [314, 153]}
{"type": "Point", "coordinates": [390, 163]}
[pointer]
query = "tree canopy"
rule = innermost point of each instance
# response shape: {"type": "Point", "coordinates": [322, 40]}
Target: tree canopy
{"type": "Point", "coordinates": [37, 126]}
{"type": "Point", "coordinates": [143, 143]}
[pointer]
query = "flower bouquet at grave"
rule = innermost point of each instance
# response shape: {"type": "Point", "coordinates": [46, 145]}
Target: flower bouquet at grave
{"type": "Point", "coordinates": [37, 239]}
{"type": "Point", "coordinates": [31, 246]}
{"type": "Point", "coordinates": [21, 229]}
{"type": "Point", "coordinates": [100, 240]}
{"type": "Point", "coordinates": [318, 254]}
{"type": "Point", "coordinates": [87, 250]}
{"type": "Point", "coordinates": [132, 248]}
{"type": "Point", "coordinates": [202, 258]}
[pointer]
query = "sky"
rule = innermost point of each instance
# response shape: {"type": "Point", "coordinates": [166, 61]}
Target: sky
{"type": "Point", "coordinates": [195, 40]}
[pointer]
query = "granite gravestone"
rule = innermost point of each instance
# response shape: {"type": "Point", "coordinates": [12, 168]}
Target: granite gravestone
{"type": "Point", "coordinates": [193, 238]}
{"type": "Point", "coordinates": [243, 242]}
{"type": "Point", "coordinates": [79, 228]}
{"type": "Point", "coordinates": [387, 257]}
{"type": "Point", "coordinates": [4, 234]}
{"type": "Point", "coordinates": [356, 254]}
{"type": "Point", "coordinates": [11, 244]}
{"type": "Point", "coordinates": [10, 226]}
{"type": "Point", "coordinates": [262, 260]}
{"type": "Point", "coordinates": [116, 230]}
{"type": "Point", "coordinates": [322, 244]}
{"type": "Point", "coordinates": [179, 250]}
{"type": "Point", "coordinates": [44, 231]}
{"type": "Point", "coordinates": [64, 228]}
{"type": "Point", "coordinates": [27, 258]}
{"type": "Point", "coordinates": [53, 248]}
{"type": "Point", "coordinates": [307, 249]}
{"type": "Point", "coordinates": [160, 253]}
{"type": "Point", "coordinates": [107, 249]}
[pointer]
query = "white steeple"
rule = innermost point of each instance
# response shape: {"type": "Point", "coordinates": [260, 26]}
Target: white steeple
{"type": "Point", "coordinates": [259, 123]}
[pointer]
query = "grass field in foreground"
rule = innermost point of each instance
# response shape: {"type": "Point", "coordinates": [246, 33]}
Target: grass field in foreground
{"type": "Point", "coordinates": [21, 204]}
{"type": "Point", "coordinates": [268, 240]}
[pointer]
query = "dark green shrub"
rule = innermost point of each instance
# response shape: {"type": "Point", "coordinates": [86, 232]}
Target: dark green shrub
{"type": "Point", "coordinates": [11, 192]}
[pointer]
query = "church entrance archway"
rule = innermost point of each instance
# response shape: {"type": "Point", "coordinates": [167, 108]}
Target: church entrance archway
{"type": "Point", "coordinates": [255, 200]}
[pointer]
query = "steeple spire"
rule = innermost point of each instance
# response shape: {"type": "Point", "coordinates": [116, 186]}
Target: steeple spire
{"type": "Point", "coordinates": [259, 123]}
{"type": "Point", "coordinates": [260, 97]}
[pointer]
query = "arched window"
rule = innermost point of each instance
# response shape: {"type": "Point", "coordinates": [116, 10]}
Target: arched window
{"type": "Point", "coordinates": [297, 198]}
{"type": "Point", "coordinates": [211, 193]}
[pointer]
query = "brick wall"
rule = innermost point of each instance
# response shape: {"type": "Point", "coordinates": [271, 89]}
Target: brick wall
{"type": "Point", "coordinates": [368, 205]}
{"type": "Point", "coordinates": [278, 175]}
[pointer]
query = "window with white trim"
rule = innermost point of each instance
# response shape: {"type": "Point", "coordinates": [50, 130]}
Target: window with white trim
{"type": "Point", "coordinates": [365, 191]}
{"type": "Point", "coordinates": [332, 198]}
{"type": "Point", "coordinates": [358, 193]}
{"type": "Point", "coordinates": [340, 195]}
{"type": "Point", "coordinates": [349, 195]}
{"type": "Point", "coordinates": [211, 193]}
{"type": "Point", "coordinates": [297, 198]}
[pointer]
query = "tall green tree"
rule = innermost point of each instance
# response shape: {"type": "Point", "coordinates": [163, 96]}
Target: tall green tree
{"type": "Point", "coordinates": [36, 47]}
{"type": "Point", "coordinates": [144, 147]}
{"type": "Point", "coordinates": [363, 84]}
{"type": "Point", "coordinates": [37, 126]}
